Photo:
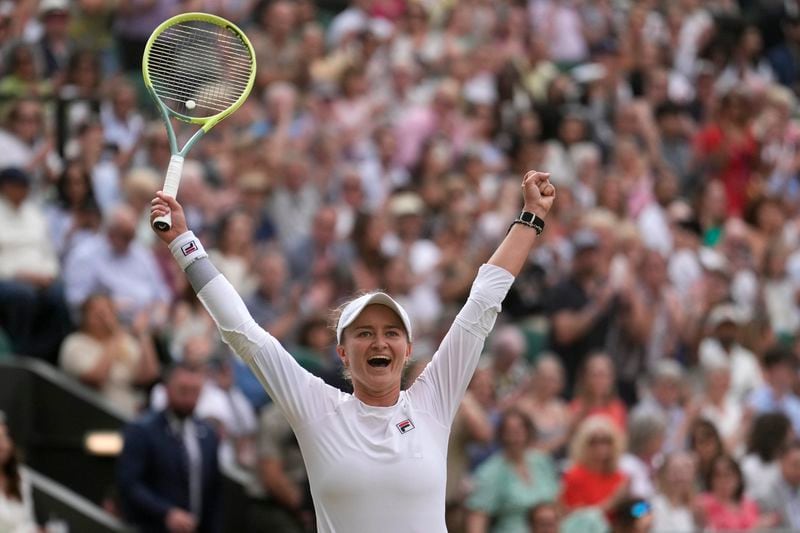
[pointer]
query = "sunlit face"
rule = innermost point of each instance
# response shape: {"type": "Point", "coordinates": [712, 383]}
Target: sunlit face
{"type": "Point", "coordinates": [375, 350]}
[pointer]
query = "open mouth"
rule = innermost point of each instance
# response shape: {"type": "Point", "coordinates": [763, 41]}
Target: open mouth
{"type": "Point", "coordinates": [379, 361]}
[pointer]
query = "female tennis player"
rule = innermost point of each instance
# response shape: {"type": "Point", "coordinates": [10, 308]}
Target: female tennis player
{"type": "Point", "coordinates": [376, 459]}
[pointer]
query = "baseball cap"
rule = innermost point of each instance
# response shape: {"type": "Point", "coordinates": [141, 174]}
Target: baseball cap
{"type": "Point", "coordinates": [724, 313]}
{"type": "Point", "coordinates": [406, 203]}
{"type": "Point", "coordinates": [585, 239]}
{"type": "Point", "coordinates": [51, 6]}
{"type": "Point", "coordinates": [14, 175]}
{"type": "Point", "coordinates": [354, 308]}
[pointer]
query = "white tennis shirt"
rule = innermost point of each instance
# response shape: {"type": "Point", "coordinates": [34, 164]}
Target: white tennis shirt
{"type": "Point", "coordinates": [371, 469]}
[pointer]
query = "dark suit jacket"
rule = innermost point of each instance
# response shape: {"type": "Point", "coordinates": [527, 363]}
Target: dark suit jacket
{"type": "Point", "coordinates": [153, 475]}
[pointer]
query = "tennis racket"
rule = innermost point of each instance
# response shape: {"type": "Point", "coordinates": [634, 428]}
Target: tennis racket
{"type": "Point", "coordinates": [199, 68]}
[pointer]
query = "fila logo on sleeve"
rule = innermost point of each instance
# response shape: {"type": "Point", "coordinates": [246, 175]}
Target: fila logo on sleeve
{"type": "Point", "coordinates": [188, 248]}
{"type": "Point", "coordinates": [405, 426]}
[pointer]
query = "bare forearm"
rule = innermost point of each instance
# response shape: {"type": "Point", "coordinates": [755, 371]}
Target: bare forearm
{"type": "Point", "coordinates": [513, 252]}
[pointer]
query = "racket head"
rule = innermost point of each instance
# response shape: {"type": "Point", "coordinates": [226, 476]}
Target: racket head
{"type": "Point", "coordinates": [199, 57]}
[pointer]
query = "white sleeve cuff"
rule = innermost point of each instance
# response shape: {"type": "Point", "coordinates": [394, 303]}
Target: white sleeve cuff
{"type": "Point", "coordinates": [186, 249]}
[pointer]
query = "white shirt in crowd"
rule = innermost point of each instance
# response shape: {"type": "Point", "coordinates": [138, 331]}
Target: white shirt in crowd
{"type": "Point", "coordinates": [745, 370]}
{"type": "Point", "coordinates": [24, 244]}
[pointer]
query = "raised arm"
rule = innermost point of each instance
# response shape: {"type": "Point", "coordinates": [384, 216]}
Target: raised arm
{"type": "Point", "coordinates": [280, 374]}
{"type": "Point", "coordinates": [441, 386]}
{"type": "Point", "coordinates": [538, 194]}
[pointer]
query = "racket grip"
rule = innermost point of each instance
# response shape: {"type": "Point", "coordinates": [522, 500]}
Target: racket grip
{"type": "Point", "coordinates": [171, 183]}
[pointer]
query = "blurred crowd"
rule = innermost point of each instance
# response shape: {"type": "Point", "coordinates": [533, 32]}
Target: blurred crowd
{"type": "Point", "coordinates": [644, 372]}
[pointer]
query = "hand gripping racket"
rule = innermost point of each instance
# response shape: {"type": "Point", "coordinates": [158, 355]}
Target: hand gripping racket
{"type": "Point", "coordinates": [199, 68]}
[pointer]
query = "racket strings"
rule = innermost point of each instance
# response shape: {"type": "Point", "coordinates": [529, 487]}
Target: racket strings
{"type": "Point", "coordinates": [199, 61]}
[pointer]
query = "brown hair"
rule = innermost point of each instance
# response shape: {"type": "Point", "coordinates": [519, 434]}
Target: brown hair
{"type": "Point", "coordinates": [11, 472]}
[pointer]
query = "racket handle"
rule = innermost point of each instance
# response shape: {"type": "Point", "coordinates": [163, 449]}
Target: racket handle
{"type": "Point", "coordinates": [171, 183]}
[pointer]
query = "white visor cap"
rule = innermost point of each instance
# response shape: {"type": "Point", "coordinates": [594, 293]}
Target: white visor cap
{"type": "Point", "coordinates": [354, 308]}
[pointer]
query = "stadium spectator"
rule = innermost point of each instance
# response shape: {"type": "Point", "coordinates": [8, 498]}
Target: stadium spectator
{"type": "Point", "coordinates": [32, 308]}
{"type": "Point", "coordinates": [115, 263]}
{"type": "Point", "coordinates": [595, 392]}
{"type": "Point", "coordinates": [673, 503]}
{"type": "Point", "coordinates": [663, 399]}
{"type": "Point", "coordinates": [594, 478]}
{"type": "Point", "coordinates": [544, 517]}
{"type": "Point", "coordinates": [776, 394]}
{"type": "Point", "coordinates": [73, 216]}
{"type": "Point", "coordinates": [779, 497]}
{"type": "Point", "coordinates": [471, 426]}
{"type": "Point", "coordinates": [16, 503]}
{"type": "Point", "coordinates": [511, 481]}
{"type": "Point", "coordinates": [507, 350]}
{"type": "Point", "coordinates": [286, 504]}
{"type": "Point", "coordinates": [632, 515]}
{"type": "Point", "coordinates": [646, 436]}
{"type": "Point", "coordinates": [722, 348]}
{"type": "Point", "coordinates": [582, 307]}
{"type": "Point", "coordinates": [717, 405]}
{"type": "Point", "coordinates": [108, 357]}
{"type": "Point", "coordinates": [167, 473]}
{"type": "Point", "coordinates": [770, 433]}
{"type": "Point", "coordinates": [545, 407]}
{"type": "Point", "coordinates": [724, 506]}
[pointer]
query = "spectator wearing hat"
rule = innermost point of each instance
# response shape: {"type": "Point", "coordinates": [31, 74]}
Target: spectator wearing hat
{"type": "Point", "coordinates": [408, 210]}
{"type": "Point", "coordinates": [721, 348]}
{"type": "Point", "coordinates": [32, 309]}
{"type": "Point", "coordinates": [55, 45]}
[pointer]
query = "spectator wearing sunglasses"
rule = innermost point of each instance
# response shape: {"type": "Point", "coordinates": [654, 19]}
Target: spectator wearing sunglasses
{"type": "Point", "coordinates": [632, 515]}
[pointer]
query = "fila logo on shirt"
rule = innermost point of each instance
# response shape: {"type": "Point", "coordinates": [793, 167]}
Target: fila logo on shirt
{"type": "Point", "coordinates": [405, 426]}
{"type": "Point", "coordinates": [189, 248]}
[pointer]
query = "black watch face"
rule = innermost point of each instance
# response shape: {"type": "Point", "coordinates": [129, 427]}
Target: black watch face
{"type": "Point", "coordinates": [527, 217]}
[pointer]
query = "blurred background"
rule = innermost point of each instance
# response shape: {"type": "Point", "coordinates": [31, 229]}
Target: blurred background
{"type": "Point", "coordinates": [643, 375]}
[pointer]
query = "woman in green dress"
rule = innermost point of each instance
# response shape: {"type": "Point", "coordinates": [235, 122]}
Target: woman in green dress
{"type": "Point", "coordinates": [511, 481]}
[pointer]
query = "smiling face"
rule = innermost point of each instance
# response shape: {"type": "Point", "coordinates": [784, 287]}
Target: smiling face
{"type": "Point", "coordinates": [375, 349]}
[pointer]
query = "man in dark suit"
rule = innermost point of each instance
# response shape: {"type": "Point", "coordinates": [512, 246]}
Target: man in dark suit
{"type": "Point", "coordinates": [168, 475]}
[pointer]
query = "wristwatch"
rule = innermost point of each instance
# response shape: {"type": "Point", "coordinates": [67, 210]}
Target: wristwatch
{"type": "Point", "coordinates": [531, 220]}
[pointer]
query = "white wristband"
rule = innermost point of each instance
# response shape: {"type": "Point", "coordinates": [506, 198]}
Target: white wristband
{"type": "Point", "coordinates": [186, 249]}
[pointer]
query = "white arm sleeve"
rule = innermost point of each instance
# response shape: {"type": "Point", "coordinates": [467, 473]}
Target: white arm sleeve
{"type": "Point", "coordinates": [301, 395]}
{"type": "Point", "coordinates": [441, 386]}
